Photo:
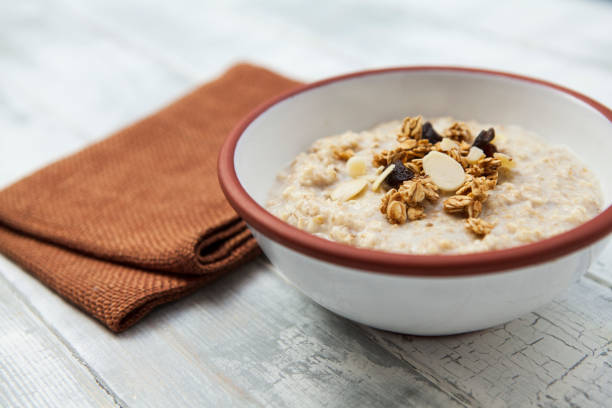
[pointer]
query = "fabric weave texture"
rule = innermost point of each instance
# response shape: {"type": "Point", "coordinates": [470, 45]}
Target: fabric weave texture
{"type": "Point", "coordinates": [139, 219]}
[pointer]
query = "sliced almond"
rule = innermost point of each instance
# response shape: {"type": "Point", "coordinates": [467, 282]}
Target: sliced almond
{"type": "Point", "coordinates": [444, 171]}
{"type": "Point", "coordinates": [447, 144]}
{"type": "Point", "coordinates": [356, 166]}
{"type": "Point", "coordinates": [349, 189]}
{"type": "Point", "coordinates": [474, 154]}
{"type": "Point", "coordinates": [382, 176]}
{"type": "Point", "coordinates": [506, 161]}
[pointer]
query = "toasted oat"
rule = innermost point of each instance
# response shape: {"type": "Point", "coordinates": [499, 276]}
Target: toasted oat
{"type": "Point", "coordinates": [457, 203]}
{"type": "Point", "coordinates": [420, 150]}
{"type": "Point", "coordinates": [416, 165]}
{"type": "Point", "coordinates": [477, 187]}
{"type": "Point", "coordinates": [386, 157]}
{"type": "Point", "coordinates": [474, 208]}
{"type": "Point", "coordinates": [412, 128]}
{"type": "Point", "coordinates": [396, 212]}
{"type": "Point", "coordinates": [464, 148]}
{"type": "Point", "coordinates": [478, 226]}
{"type": "Point", "coordinates": [484, 167]}
{"type": "Point", "coordinates": [393, 207]}
{"type": "Point", "coordinates": [343, 153]}
{"type": "Point", "coordinates": [492, 180]}
{"type": "Point", "coordinates": [412, 192]}
{"type": "Point", "coordinates": [459, 132]}
{"type": "Point", "coordinates": [408, 144]}
{"type": "Point", "coordinates": [390, 196]}
{"type": "Point", "coordinates": [455, 154]}
{"type": "Point", "coordinates": [415, 213]}
{"type": "Point", "coordinates": [467, 185]}
{"type": "Point", "coordinates": [418, 189]}
{"type": "Point", "coordinates": [417, 151]}
{"type": "Point", "coordinates": [381, 159]}
{"type": "Point", "coordinates": [463, 204]}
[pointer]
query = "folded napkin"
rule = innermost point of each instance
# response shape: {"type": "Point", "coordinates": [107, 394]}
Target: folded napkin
{"type": "Point", "coordinates": [138, 219]}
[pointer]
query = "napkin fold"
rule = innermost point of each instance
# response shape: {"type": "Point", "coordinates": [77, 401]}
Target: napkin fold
{"type": "Point", "coordinates": [138, 219]}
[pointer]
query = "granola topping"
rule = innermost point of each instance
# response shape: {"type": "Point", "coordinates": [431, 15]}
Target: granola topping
{"type": "Point", "coordinates": [412, 128]}
{"type": "Point", "coordinates": [379, 188]}
{"type": "Point", "coordinates": [396, 212]}
{"type": "Point", "coordinates": [430, 133]}
{"type": "Point", "coordinates": [399, 174]}
{"type": "Point", "coordinates": [425, 163]}
{"type": "Point", "coordinates": [415, 191]}
{"type": "Point", "coordinates": [459, 132]}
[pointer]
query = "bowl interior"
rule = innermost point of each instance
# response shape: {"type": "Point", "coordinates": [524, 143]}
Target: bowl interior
{"type": "Point", "coordinates": [275, 137]}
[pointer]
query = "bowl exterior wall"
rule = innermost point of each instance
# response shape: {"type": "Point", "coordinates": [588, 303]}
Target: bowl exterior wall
{"type": "Point", "coordinates": [427, 306]}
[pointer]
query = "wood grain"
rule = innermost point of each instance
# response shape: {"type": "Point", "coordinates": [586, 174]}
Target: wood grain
{"type": "Point", "coordinates": [36, 369]}
{"type": "Point", "coordinates": [248, 339]}
{"type": "Point", "coordinates": [312, 42]}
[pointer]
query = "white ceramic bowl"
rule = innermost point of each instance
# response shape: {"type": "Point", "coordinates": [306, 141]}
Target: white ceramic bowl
{"type": "Point", "coordinates": [418, 294]}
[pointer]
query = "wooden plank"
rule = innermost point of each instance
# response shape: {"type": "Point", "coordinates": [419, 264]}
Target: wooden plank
{"type": "Point", "coordinates": [30, 137]}
{"type": "Point", "coordinates": [558, 356]}
{"type": "Point", "coordinates": [206, 37]}
{"type": "Point", "coordinates": [87, 78]}
{"type": "Point", "coordinates": [319, 44]}
{"type": "Point", "coordinates": [36, 368]}
{"type": "Point", "coordinates": [248, 339]}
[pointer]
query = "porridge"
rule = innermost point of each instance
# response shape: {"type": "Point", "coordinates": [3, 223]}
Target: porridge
{"type": "Point", "coordinates": [437, 186]}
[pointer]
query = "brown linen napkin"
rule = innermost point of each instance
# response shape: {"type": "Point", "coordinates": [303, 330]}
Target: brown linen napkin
{"type": "Point", "coordinates": [138, 219]}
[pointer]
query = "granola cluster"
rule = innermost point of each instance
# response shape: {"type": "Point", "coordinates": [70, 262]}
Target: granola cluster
{"type": "Point", "coordinates": [458, 132]}
{"type": "Point", "coordinates": [407, 202]}
{"type": "Point", "coordinates": [410, 188]}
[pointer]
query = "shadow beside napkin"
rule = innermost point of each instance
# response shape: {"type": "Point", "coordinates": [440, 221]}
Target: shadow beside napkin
{"type": "Point", "coordinates": [138, 219]}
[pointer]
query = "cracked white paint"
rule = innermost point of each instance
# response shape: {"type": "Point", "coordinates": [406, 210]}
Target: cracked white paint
{"type": "Point", "coordinates": [555, 356]}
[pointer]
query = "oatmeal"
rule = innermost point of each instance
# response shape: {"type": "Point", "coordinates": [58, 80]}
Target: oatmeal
{"type": "Point", "coordinates": [437, 186]}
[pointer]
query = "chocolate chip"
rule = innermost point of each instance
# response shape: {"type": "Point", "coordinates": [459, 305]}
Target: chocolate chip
{"type": "Point", "coordinates": [484, 138]}
{"type": "Point", "coordinates": [430, 134]}
{"type": "Point", "coordinates": [399, 174]}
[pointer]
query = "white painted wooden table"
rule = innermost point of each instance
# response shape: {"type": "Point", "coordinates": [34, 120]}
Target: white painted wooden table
{"type": "Point", "coordinates": [73, 71]}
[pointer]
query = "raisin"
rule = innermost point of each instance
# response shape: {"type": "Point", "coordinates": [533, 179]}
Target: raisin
{"type": "Point", "coordinates": [430, 134]}
{"type": "Point", "coordinates": [399, 174]}
{"type": "Point", "coordinates": [484, 138]}
{"type": "Point", "coordinates": [489, 149]}
{"type": "Point", "coordinates": [483, 141]}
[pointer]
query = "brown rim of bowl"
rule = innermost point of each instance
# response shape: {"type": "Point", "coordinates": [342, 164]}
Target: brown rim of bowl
{"type": "Point", "coordinates": [397, 263]}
